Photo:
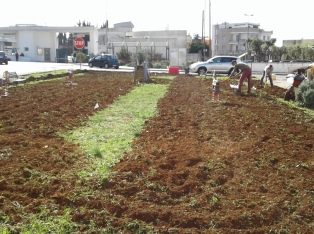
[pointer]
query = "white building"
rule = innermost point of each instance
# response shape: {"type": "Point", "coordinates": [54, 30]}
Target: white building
{"type": "Point", "coordinates": [42, 44]}
{"type": "Point", "coordinates": [230, 39]}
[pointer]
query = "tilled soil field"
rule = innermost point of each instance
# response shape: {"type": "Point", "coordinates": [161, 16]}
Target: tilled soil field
{"type": "Point", "coordinates": [241, 165]}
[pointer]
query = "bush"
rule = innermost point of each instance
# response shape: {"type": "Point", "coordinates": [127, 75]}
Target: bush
{"type": "Point", "coordinates": [163, 64]}
{"type": "Point", "coordinates": [81, 57]}
{"type": "Point", "coordinates": [124, 55]}
{"type": "Point", "coordinates": [305, 94]}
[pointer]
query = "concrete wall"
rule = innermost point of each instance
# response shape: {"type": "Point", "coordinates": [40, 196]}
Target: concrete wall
{"type": "Point", "coordinates": [192, 58]}
{"type": "Point", "coordinates": [284, 68]}
{"type": "Point", "coordinates": [151, 41]}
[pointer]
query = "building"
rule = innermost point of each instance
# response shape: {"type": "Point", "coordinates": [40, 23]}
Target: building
{"type": "Point", "coordinates": [54, 44]}
{"type": "Point", "coordinates": [41, 43]}
{"type": "Point", "coordinates": [296, 42]}
{"type": "Point", "coordinates": [170, 43]}
{"type": "Point", "coordinates": [231, 39]}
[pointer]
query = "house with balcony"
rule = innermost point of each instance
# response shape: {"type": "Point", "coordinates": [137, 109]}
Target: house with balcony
{"type": "Point", "coordinates": [231, 38]}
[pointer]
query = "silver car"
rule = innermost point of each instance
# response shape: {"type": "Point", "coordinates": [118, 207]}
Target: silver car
{"type": "Point", "coordinates": [220, 64]}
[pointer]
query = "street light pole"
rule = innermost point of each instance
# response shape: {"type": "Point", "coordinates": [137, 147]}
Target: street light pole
{"type": "Point", "coordinates": [248, 32]}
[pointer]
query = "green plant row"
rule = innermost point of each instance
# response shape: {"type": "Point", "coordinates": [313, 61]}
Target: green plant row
{"type": "Point", "coordinates": [109, 132]}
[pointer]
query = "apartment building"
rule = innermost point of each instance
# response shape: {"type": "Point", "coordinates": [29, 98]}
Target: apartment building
{"type": "Point", "coordinates": [231, 38]}
{"type": "Point", "coordinates": [296, 42]}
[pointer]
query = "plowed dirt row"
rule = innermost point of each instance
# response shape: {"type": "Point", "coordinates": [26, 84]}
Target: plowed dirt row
{"type": "Point", "coordinates": [242, 165]}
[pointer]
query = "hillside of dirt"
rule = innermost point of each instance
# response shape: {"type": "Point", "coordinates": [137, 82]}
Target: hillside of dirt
{"type": "Point", "coordinates": [241, 165]}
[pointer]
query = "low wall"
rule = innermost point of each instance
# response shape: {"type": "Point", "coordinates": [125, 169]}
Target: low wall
{"type": "Point", "coordinates": [192, 57]}
{"type": "Point", "coordinates": [21, 58]}
{"type": "Point", "coordinates": [284, 68]}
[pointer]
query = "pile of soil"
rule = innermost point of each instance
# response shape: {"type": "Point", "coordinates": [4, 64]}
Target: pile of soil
{"type": "Point", "coordinates": [241, 165]}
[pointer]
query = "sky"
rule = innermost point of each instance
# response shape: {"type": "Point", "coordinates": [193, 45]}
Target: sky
{"type": "Point", "coordinates": [289, 20]}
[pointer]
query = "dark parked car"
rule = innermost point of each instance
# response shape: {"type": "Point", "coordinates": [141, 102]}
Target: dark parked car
{"type": "Point", "coordinates": [104, 60]}
{"type": "Point", "coordinates": [3, 58]}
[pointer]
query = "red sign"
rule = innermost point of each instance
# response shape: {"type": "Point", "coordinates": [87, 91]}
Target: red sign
{"type": "Point", "coordinates": [79, 43]}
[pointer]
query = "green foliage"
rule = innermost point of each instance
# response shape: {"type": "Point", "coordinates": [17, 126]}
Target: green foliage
{"type": "Point", "coordinates": [42, 222]}
{"type": "Point", "coordinates": [260, 48]}
{"type": "Point", "coordinates": [81, 57]}
{"type": "Point", "coordinates": [297, 51]}
{"type": "Point", "coordinates": [83, 24]}
{"type": "Point", "coordinates": [139, 56]}
{"type": "Point", "coordinates": [197, 45]}
{"type": "Point", "coordinates": [154, 56]}
{"type": "Point", "coordinates": [107, 142]}
{"type": "Point", "coordinates": [162, 64]}
{"type": "Point", "coordinates": [305, 94]}
{"type": "Point", "coordinates": [124, 54]}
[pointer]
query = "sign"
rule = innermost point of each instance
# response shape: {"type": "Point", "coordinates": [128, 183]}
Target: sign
{"type": "Point", "coordinates": [79, 43]}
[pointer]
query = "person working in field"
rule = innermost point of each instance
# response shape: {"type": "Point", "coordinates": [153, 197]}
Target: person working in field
{"type": "Point", "coordinates": [246, 74]}
{"type": "Point", "coordinates": [268, 70]}
{"type": "Point", "coordinates": [216, 88]}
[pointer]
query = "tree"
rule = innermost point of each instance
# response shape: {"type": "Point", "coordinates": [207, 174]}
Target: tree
{"type": "Point", "coordinates": [81, 57]}
{"type": "Point", "coordinates": [295, 51]}
{"type": "Point", "coordinates": [197, 45]}
{"type": "Point", "coordinates": [140, 56]}
{"type": "Point", "coordinates": [124, 54]}
{"type": "Point", "coordinates": [255, 46]}
{"type": "Point", "coordinates": [60, 37]}
{"type": "Point", "coordinates": [309, 52]}
{"type": "Point", "coordinates": [83, 24]}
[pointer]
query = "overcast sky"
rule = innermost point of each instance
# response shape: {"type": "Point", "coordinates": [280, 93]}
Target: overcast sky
{"type": "Point", "coordinates": [287, 19]}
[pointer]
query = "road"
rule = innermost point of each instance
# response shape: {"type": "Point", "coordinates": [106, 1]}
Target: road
{"type": "Point", "coordinates": [25, 68]}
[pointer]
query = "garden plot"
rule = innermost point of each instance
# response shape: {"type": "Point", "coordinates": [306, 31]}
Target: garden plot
{"type": "Point", "coordinates": [242, 164]}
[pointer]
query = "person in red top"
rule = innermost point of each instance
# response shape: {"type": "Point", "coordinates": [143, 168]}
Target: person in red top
{"type": "Point", "coordinates": [246, 74]}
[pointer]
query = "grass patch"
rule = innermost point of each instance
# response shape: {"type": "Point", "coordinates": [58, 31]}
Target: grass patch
{"type": "Point", "coordinates": [43, 223]}
{"type": "Point", "coordinates": [41, 74]}
{"type": "Point", "coordinates": [109, 133]}
{"type": "Point", "coordinates": [162, 77]}
{"type": "Point", "coordinates": [295, 105]}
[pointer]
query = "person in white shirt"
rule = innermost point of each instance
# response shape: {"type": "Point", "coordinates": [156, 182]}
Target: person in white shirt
{"type": "Point", "coordinates": [268, 70]}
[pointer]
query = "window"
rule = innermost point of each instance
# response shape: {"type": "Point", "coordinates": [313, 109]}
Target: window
{"type": "Point", "coordinates": [39, 51]}
{"type": "Point", "coordinates": [227, 59]}
{"type": "Point", "coordinates": [216, 60]}
{"type": "Point", "coordinates": [224, 38]}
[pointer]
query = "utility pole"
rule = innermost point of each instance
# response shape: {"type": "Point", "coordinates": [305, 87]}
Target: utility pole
{"type": "Point", "coordinates": [203, 35]}
{"type": "Point", "coordinates": [106, 37]}
{"type": "Point", "coordinates": [209, 31]}
{"type": "Point", "coordinates": [248, 32]}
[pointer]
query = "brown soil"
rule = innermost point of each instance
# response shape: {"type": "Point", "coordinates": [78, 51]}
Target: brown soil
{"type": "Point", "coordinates": [242, 165]}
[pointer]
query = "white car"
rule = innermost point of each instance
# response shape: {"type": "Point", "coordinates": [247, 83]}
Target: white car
{"type": "Point", "coordinates": [220, 64]}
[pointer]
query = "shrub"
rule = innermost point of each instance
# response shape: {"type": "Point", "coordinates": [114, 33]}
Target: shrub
{"type": "Point", "coordinates": [81, 57]}
{"type": "Point", "coordinates": [305, 94]}
{"type": "Point", "coordinates": [124, 55]}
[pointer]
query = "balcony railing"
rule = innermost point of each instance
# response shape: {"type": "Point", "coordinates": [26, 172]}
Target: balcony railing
{"type": "Point", "coordinates": [240, 41]}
